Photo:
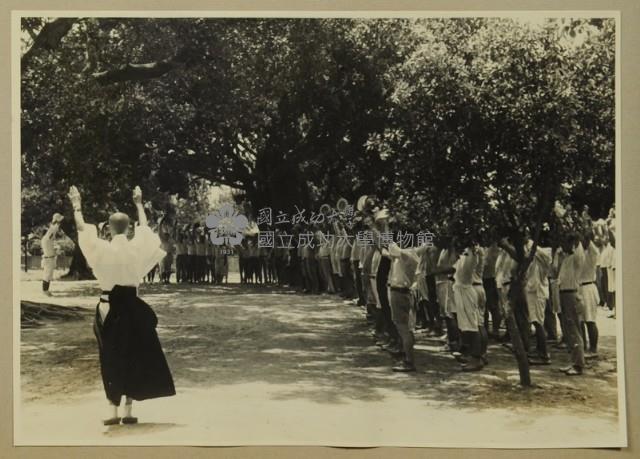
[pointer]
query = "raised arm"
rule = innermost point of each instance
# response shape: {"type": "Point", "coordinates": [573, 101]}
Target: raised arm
{"type": "Point", "coordinates": [442, 268]}
{"type": "Point", "coordinates": [504, 245]}
{"type": "Point", "coordinates": [52, 230]}
{"type": "Point", "coordinates": [76, 203]}
{"type": "Point", "coordinates": [137, 200]}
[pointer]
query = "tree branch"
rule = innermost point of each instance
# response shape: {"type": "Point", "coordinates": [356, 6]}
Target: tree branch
{"type": "Point", "coordinates": [545, 208]}
{"type": "Point", "coordinates": [48, 39]}
{"type": "Point", "coordinates": [135, 72]}
{"type": "Point", "coordinates": [31, 33]}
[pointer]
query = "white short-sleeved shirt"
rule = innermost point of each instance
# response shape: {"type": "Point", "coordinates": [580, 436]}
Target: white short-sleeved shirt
{"type": "Point", "coordinates": [465, 267]}
{"type": "Point", "coordinates": [571, 268]}
{"type": "Point", "coordinates": [122, 261]}
{"type": "Point", "coordinates": [48, 247]}
{"type": "Point", "coordinates": [588, 273]}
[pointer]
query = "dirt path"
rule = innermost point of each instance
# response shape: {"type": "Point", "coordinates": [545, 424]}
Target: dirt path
{"type": "Point", "coordinates": [257, 365]}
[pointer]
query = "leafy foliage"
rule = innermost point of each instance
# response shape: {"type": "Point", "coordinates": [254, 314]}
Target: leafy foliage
{"type": "Point", "coordinates": [457, 123]}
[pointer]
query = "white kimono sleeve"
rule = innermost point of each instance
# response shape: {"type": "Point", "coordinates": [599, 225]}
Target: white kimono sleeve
{"type": "Point", "coordinates": [91, 245]}
{"type": "Point", "coordinates": [146, 245]}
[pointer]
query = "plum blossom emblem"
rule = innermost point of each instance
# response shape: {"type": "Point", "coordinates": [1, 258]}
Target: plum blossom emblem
{"type": "Point", "coordinates": [226, 225]}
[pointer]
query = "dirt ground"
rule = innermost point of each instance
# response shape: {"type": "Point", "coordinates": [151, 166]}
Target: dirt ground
{"type": "Point", "coordinates": [261, 365]}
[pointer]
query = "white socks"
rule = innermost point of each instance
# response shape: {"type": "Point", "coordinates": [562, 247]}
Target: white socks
{"type": "Point", "coordinates": [113, 411]}
{"type": "Point", "coordinates": [127, 408]}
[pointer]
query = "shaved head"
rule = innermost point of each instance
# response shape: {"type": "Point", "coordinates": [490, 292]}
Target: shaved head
{"type": "Point", "coordinates": [118, 223]}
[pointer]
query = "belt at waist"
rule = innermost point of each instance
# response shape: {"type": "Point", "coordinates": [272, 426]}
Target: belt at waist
{"type": "Point", "coordinates": [568, 290]}
{"type": "Point", "coordinates": [400, 289]}
{"type": "Point", "coordinates": [119, 289]}
{"type": "Point", "coordinates": [372, 276]}
{"type": "Point", "coordinates": [477, 283]}
{"type": "Point", "coordinates": [51, 256]}
{"type": "Point", "coordinates": [587, 283]}
{"type": "Point", "coordinates": [104, 296]}
{"type": "Point", "coordinates": [506, 283]}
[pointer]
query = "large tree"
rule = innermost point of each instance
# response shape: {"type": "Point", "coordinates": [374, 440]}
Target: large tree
{"type": "Point", "coordinates": [279, 108]}
{"type": "Point", "coordinates": [495, 120]}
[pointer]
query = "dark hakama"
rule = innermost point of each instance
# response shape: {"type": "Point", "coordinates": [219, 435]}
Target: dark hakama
{"type": "Point", "coordinates": [132, 362]}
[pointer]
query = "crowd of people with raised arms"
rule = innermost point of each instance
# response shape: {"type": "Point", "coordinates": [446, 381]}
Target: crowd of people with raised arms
{"type": "Point", "coordinates": [455, 287]}
{"type": "Point", "coordinates": [458, 288]}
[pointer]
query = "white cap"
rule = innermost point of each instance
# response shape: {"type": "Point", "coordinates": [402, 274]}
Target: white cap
{"type": "Point", "coordinates": [382, 214]}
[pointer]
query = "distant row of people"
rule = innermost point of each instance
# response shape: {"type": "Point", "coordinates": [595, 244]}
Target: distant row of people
{"type": "Point", "coordinates": [192, 256]}
{"type": "Point", "coordinates": [459, 287]}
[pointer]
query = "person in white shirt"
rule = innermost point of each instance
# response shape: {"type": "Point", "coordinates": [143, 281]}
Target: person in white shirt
{"type": "Point", "coordinates": [403, 313]}
{"type": "Point", "coordinates": [324, 260]}
{"type": "Point", "coordinates": [132, 362]}
{"type": "Point", "coordinates": [467, 310]}
{"type": "Point", "coordinates": [537, 295]}
{"type": "Point", "coordinates": [610, 263]}
{"type": "Point", "coordinates": [480, 254]}
{"type": "Point", "coordinates": [491, 253]}
{"type": "Point", "coordinates": [589, 295]}
{"type": "Point", "coordinates": [554, 295]}
{"type": "Point", "coordinates": [49, 255]}
{"type": "Point", "coordinates": [444, 290]}
{"type": "Point", "coordinates": [568, 283]}
{"type": "Point", "coordinates": [380, 266]}
{"type": "Point", "coordinates": [505, 266]}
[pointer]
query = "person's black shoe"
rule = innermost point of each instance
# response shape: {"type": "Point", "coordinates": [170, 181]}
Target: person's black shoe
{"type": "Point", "coordinates": [111, 421]}
{"type": "Point", "coordinates": [573, 371]}
{"type": "Point", "coordinates": [405, 367]}
{"type": "Point", "coordinates": [540, 360]}
{"type": "Point", "coordinates": [473, 365]}
{"type": "Point", "coordinates": [129, 420]}
{"type": "Point", "coordinates": [459, 357]}
{"type": "Point", "coordinates": [392, 349]}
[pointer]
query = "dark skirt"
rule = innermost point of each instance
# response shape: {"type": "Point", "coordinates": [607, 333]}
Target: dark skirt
{"type": "Point", "coordinates": [131, 359]}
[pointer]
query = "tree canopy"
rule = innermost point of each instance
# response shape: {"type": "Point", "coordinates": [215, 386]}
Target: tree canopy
{"type": "Point", "coordinates": [465, 122]}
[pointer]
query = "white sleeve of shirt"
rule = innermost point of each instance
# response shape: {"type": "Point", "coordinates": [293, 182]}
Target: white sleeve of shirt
{"type": "Point", "coordinates": [579, 257]}
{"type": "Point", "coordinates": [543, 256]}
{"type": "Point", "coordinates": [592, 253]}
{"type": "Point", "coordinates": [394, 250]}
{"type": "Point", "coordinates": [612, 258]}
{"type": "Point", "coordinates": [91, 245]}
{"type": "Point", "coordinates": [468, 264]}
{"type": "Point", "coordinates": [148, 249]}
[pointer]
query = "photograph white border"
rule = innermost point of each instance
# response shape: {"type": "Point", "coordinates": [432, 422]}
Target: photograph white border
{"type": "Point", "coordinates": [537, 14]}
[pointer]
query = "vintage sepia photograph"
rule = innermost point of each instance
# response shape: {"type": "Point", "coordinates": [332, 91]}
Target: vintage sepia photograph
{"type": "Point", "coordinates": [340, 229]}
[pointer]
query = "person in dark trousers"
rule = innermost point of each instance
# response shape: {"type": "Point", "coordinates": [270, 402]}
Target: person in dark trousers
{"type": "Point", "coordinates": [49, 253]}
{"type": "Point", "coordinates": [132, 362]}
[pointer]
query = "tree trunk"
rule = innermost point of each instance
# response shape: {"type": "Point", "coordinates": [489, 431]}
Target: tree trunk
{"type": "Point", "coordinates": [25, 248]}
{"type": "Point", "coordinates": [79, 269]}
{"type": "Point", "coordinates": [517, 305]}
